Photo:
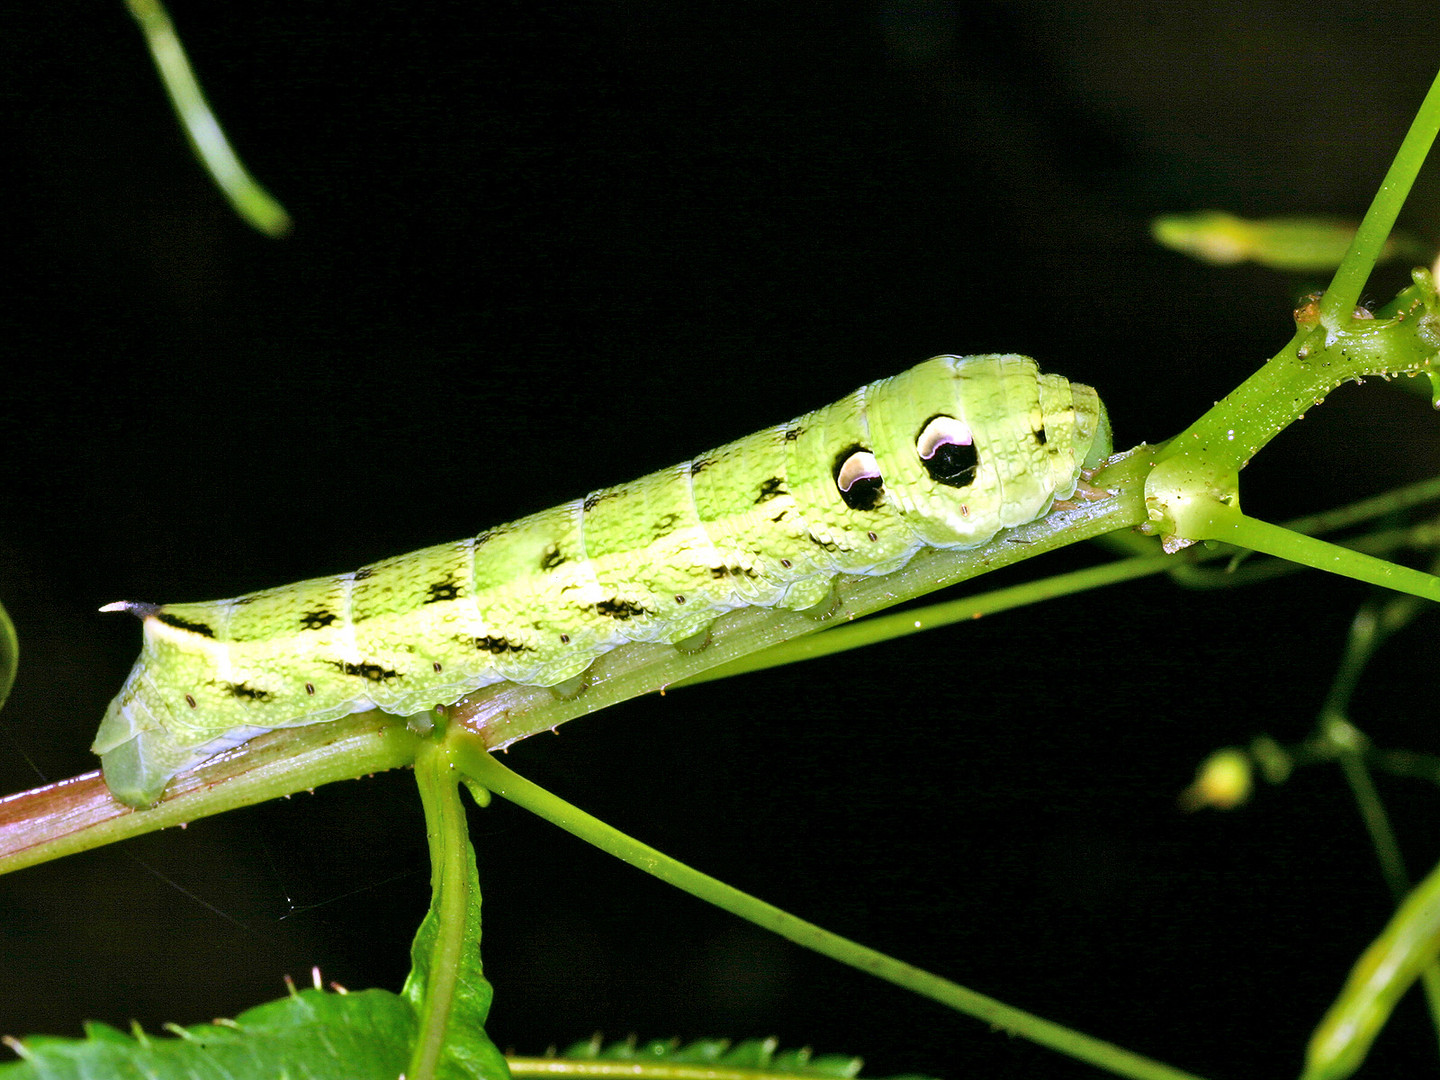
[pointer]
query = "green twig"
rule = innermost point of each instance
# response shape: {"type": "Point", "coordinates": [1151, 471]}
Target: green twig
{"type": "Point", "coordinates": [9, 654]}
{"type": "Point", "coordinates": [449, 853]}
{"type": "Point", "coordinates": [481, 768]}
{"type": "Point", "coordinates": [1338, 305]}
{"type": "Point", "coordinates": [880, 628]}
{"type": "Point", "coordinates": [207, 138]}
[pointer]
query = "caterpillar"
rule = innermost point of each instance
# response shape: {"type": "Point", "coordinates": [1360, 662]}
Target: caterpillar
{"type": "Point", "coordinates": [944, 455]}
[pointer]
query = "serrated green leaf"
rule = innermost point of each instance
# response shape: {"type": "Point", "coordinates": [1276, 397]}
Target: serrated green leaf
{"type": "Point", "coordinates": [446, 986]}
{"type": "Point", "coordinates": [468, 1050]}
{"type": "Point", "coordinates": [759, 1056]}
{"type": "Point", "coordinates": [307, 1035]}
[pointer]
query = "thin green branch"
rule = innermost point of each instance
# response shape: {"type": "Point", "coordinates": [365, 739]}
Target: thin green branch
{"type": "Point", "coordinates": [449, 853]}
{"type": "Point", "coordinates": [1217, 521]}
{"type": "Point", "coordinates": [482, 769]}
{"type": "Point", "coordinates": [9, 654]}
{"type": "Point", "coordinates": [900, 624]}
{"type": "Point", "coordinates": [207, 138]}
{"type": "Point", "coordinates": [1338, 304]}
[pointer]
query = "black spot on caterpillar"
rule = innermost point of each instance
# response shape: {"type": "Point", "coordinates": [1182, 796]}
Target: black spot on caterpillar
{"type": "Point", "coordinates": [203, 629]}
{"type": "Point", "coordinates": [440, 591]}
{"type": "Point", "coordinates": [615, 608]}
{"type": "Point", "coordinates": [373, 672]}
{"type": "Point", "coordinates": [498, 645]}
{"type": "Point", "coordinates": [246, 693]}
{"type": "Point", "coordinates": [771, 488]}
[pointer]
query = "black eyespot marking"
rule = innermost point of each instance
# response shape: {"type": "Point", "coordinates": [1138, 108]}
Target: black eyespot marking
{"type": "Point", "coordinates": [365, 670]}
{"type": "Point", "coordinates": [363, 573]}
{"type": "Point", "coordinates": [858, 479]}
{"type": "Point", "coordinates": [190, 701]}
{"type": "Point", "coordinates": [770, 489]}
{"type": "Point", "coordinates": [245, 692]}
{"type": "Point", "coordinates": [436, 665]}
{"type": "Point", "coordinates": [946, 446]}
{"type": "Point", "coordinates": [498, 645]}
{"type": "Point", "coordinates": [203, 629]}
{"type": "Point", "coordinates": [1040, 435]}
{"type": "Point", "coordinates": [552, 558]}
{"type": "Point", "coordinates": [317, 620]}
{"type": "Point", "coordinates": [564, 639]}
{"type": "Point", "coordinates": [786, 563]}
{"type": "Point", "coordinates": [872, 537]}
{"type": "Point", "coordinates": [440, 591]}
{"type": "Point", "coordinates": [793, 433]}
{"type": "Point", "coordinates": [679, 599]}
{"type": "Point", "coordinates": [310, 688]}
{"type": "Point", "coordinates": [953, 465]}
{"type": "Point", "coordinates": [615, 608]}
{"type": "Point", "coordinates": [700, 464]}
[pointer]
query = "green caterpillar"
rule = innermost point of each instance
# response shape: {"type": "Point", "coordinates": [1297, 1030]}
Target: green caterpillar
{"type": "Point", "coordinates": [945, 455]}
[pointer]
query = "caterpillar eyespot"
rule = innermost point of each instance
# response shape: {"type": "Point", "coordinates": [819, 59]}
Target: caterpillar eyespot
{"type": "Point", "coordinates": [857, 487]}
{"type": "Point", "coordinates": [858, 478]}
{"type": "Point", "coordinates": [947, 447]}
{"type": "Point", "coordinates": [943, 431]}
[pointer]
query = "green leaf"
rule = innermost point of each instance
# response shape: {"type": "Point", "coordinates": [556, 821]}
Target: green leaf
{"type": "Point", "coordinates": [760, 1056]}
{"type": "Point", "coordinates": [310, 1033]}
{"type": "Point", "coordinates": [447, 986]}
{"type": "Point", "coordinates": [9, 654]}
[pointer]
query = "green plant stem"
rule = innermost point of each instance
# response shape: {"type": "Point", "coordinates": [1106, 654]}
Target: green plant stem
{"type": "Point", "coordinates": [1338, 304]}
{"type": "Point", "coordinates": [1349, 747]}
{"type": "Point", "coordinates": [482, 769]}
{"type": "Point", "coordinates": [449, 883]}
{"type": "Point", "coordinates": [1373, 624]}
{"type": "Point", "coordinates": [207, 138]}
{"type": "Point", "coordinates": [1381, 976]}
{"type": "Point", "coordinates": [932, 617]}
{"type": "Point", "coordinates": [1213, 520]}
{"type": "Point", "coordinates": [78, 814]}
{"type": "Point", "coordinates": [1391, 502]}
{"type": "Point", "coordinates": [9, 654]}
{"type": "Point", "coordinates": [559, 1068]}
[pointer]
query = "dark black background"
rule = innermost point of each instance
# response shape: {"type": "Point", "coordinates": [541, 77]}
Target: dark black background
{"type": "Point", "coordinates": [542, 248]}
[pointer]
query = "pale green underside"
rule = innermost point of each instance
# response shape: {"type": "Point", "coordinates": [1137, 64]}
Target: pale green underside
{"type": "Point", "coordinates": [759, 521]}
